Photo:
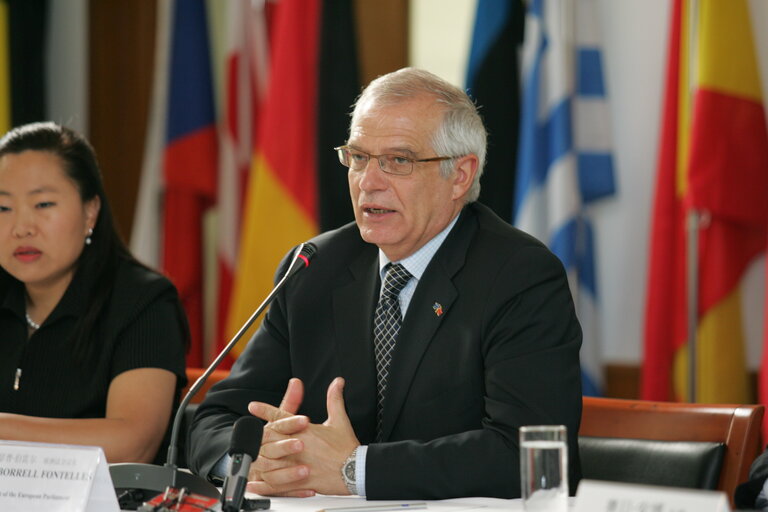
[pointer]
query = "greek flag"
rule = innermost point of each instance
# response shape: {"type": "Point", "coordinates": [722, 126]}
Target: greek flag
{"type": "Point", "coordinates": [564, 159]}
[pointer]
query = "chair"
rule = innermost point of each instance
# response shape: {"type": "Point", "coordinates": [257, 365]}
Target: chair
{"type": "Point", "coordinates": [194, 373]}
{"type": "Point", "coordinates": [666, 443]}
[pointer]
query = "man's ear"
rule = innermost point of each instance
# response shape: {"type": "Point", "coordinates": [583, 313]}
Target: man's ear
{"type": "Point", "coordinates": [464, 175]}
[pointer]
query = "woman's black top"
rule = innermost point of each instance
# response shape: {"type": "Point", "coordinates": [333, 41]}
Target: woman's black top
{"type": "Point", "coordinates": [141, 326]}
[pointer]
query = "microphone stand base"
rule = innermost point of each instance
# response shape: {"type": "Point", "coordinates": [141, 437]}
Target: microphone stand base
{"type": "Point", "coordinates": [151, 480]}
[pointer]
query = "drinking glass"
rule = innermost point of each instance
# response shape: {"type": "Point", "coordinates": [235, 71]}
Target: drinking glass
{"type": "Point", "coordinates": [544, 468]}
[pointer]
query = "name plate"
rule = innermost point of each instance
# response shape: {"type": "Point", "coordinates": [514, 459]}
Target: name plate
{"type": "Point", "coordinates": [54, 478]}
{"type": "Point", "coordinates": [598, 496]}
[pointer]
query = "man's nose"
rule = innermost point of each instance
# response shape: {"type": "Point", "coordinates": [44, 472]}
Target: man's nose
{"type": "Point", "coordinates": [373, 177]}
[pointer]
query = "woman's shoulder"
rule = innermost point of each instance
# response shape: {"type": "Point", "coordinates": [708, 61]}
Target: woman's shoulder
{"type": "Point", "coordinates": [144, 320]}
{"type": "Point", "coordinates": [137, 286]}
{"type": "Point", "coordinates": [133, 277]}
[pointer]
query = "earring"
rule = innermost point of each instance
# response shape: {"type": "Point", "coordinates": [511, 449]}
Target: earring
{"type": "Point", "coordinates": [88, 238]}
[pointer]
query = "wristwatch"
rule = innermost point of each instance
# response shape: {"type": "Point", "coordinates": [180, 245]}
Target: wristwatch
{"type": "Point", "coordinates": [349, 472]}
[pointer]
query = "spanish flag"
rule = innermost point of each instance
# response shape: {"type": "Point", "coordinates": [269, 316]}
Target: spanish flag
{"type": "Point", "coordinates": [281, 199]}
{"type": "Point", "coordinates": [713, 160]}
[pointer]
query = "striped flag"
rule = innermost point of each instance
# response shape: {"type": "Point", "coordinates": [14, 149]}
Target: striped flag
{"type": "Point", "coordinates": [190, 162]}
{"type": "Point", "coordinates": [281, 203]}
{"type": "Point", "coordinates": [714, 161]}
{"type": "Point", "coordinates": [23, 33]}
{"type": "Point", "coordinates": [27, 34]}
{"type": "Point", "coordinates": [246, 67]}
{"type": "Point", "coordinates": [183, 165]}
{"type": "Point", "coordinates": [5, 70]}
{"type": "Point", "coordinates": [338, 86]}
{"type": "Point", "coordinates": [564, 156]}
{"type": "Point", "coordinates": [145, 238]}
{"type": "Point", "coordinates": [494, 84]}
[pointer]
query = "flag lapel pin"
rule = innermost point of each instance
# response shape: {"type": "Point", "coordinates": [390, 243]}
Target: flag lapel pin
{"type": "Point", "coordinates": [438, 308]}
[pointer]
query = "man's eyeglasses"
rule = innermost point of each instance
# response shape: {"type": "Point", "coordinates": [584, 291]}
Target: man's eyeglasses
{"type": "Point", "coordinates": [393, 164]}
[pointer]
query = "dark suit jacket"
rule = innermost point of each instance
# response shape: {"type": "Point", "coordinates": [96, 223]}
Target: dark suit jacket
{"type": "Point", "coordinates": [746, 494]}
{"type": "Point", "coordinates": [503, 353]}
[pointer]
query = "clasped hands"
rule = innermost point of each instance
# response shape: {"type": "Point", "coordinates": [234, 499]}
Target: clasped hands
{"type": "Point", "coordinates": [298, 458]}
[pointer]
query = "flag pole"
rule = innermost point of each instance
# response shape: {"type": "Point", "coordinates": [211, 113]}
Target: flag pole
{"type": "Point", "coordinates": [692, 224]}
{"type": "Point", "coordinates": [693, 220]}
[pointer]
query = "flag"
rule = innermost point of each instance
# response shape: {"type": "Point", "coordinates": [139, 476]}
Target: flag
{"type": "Point", "coordinates": [493, 82]}
{"type": "Point", "coordinates": [189, 162]}
{"type": "Point", "coordinates": [338, 86]}
{"type": "Point", "coordinates": [246, 67]}
{"type": "Point", "coordinates": [23, 33]}
{"type": "Point", "coordinates": [665, 328]}
{"type": "Point", "coordinates": [5, 71]}
{"type": "Point", "coordinates": [182, 161]}
{"type": "Point", "coordinates": [281, 200]}
{"type": "Point", "coordinates": [27, 35]}
{"type": "Point", "coordinates": [564, 160]}
{"type": "Point", "coordinates": [714, 161]}
{"type": "Point", "coordinates": [145, 237]}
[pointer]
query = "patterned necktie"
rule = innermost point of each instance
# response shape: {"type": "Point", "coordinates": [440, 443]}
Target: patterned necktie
{"type": "Point", "coordinates": [386, 326]}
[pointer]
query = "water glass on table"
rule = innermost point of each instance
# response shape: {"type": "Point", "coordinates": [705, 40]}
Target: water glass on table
{"type": "Point", "coordinates": [544, 468]}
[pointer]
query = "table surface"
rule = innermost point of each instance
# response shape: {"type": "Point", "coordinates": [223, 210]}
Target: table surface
{"type": "Point", "coordinates": [322, 503]}
{"type": "Point", "coordinates": [318, 503]}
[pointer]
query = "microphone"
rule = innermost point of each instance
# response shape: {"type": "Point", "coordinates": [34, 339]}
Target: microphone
{"type": "Point", "coordinates": [243, 450]}
{"type": "Point", "coordinates": [149, 478]}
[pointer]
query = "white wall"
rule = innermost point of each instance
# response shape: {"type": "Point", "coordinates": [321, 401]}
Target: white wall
{"type": "Point", "coordinates": [440, 36]}
{"type": "Point", "coordinates": [635, 37]}
{"type": "Point", "coordinates": [67, 64]}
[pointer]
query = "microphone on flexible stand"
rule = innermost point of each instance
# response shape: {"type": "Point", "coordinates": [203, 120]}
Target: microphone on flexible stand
{"type": "Point", "coordinates": [150, 478]}
{"type": "Point", "coordinates": [243, 449]}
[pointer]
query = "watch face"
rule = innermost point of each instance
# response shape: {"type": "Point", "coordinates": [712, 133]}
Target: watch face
{"type": "Point", "coordinates": [349, 470]}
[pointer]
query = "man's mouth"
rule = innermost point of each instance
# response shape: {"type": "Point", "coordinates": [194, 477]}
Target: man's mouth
{"type": "Point", "coordinates": [377, 210]}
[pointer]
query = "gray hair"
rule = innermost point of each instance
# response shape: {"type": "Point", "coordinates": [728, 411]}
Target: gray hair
{"type": "Point", "coordinates": [461, 131]}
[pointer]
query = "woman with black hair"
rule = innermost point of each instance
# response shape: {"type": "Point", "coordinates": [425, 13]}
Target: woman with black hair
{"type": "Point", "coordinates": [91, 342]}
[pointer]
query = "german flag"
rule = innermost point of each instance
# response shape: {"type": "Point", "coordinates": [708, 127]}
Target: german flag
{"type": "Point", "coordinates": [5, 71]}
{"type": "Point", "coordinates": [23, 35]}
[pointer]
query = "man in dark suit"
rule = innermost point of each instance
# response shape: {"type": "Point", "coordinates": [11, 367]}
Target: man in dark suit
{"type": "Point", "coordinates": [422, 336]}
{"type": "Point", "coordinates": [753, 494]}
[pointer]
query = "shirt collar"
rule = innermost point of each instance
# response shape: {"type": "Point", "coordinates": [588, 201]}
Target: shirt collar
{"type": "Point", "coordinates": [417, 262]}
{"type": "Point", "coordinates": [74, 302]}
{"type": "Point", "coordinates": [14, 299]}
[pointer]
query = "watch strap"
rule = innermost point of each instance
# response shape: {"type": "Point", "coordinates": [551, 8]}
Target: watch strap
{"type": "Point", "coordinates": [349, 472]}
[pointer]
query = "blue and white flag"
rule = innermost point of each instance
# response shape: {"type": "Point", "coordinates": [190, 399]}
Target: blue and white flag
{"type": "Point", "coordinates": [564, 157]}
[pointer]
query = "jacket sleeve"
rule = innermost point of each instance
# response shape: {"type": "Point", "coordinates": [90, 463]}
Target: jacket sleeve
{"type": "Point", "coordinates": [260, 373]}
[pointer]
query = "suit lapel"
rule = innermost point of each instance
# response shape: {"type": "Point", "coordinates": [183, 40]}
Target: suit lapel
{"type": "Point", "coordinates": [432, 300]}
{"type": "Point", "coordinates": [353, 305]}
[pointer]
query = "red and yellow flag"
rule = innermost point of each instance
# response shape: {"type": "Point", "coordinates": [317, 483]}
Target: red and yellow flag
{"type": "Point", "coordinates": [245, 72]}
{"type": "Point", "coordinates": [280, 204]}
{"type": "Point", "coordinates": [713, 160]}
